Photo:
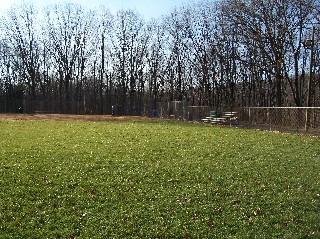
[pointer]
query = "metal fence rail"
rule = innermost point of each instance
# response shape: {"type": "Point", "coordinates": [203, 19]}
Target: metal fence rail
{"type": "Point", "coordinates": [300, 119]}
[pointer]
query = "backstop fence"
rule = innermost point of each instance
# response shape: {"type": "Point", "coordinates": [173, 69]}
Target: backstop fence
{"type": "Point", "coordinates": [182, 110]}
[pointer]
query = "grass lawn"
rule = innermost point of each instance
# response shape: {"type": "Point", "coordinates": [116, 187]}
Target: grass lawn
{"type": "Point", "coordinates": [156, 180]}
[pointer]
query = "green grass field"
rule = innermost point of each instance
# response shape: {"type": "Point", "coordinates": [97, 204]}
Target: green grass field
{"type": "Point", "coordinates": [156, 180]}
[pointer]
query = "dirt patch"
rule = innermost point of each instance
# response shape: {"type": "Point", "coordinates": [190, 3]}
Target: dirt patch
{"type": "Point", "coordinates": [67, 117]}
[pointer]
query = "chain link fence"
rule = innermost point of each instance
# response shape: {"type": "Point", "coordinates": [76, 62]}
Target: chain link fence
{"type": "Point", "coordinates": [289, 119]}
{"type": "Point", "coordinates": [294, 119]}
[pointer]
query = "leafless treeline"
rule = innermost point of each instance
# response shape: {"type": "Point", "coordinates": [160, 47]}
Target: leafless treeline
{"type": "Point", "coordinates": [231, 53]}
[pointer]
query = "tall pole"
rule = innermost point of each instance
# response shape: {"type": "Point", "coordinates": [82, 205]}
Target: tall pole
{"type": "Point", "coordinates": [102, 74]}
{"type": "Point", "coordinates": [310, 82]}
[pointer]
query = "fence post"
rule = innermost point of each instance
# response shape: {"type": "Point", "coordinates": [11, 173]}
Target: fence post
{"type": "Point", "coordinates": [269, 119]}
{"type": "Point", "coordinates": [249, 117]}
{"type": "Point", "coordinates": [306, 120]}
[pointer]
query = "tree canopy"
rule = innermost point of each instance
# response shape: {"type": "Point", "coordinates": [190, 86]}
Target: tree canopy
{"type": "Point", "coordinates": [220, 54]}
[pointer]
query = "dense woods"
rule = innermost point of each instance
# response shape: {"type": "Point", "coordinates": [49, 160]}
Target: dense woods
{"type": "Point", "coordinates": [215, 54]}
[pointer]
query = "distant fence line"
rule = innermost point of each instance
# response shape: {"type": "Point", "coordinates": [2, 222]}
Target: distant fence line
{"type": "Point", "coordinates": [142, 107]}
{"type": "Point", "coordinates": [299, 119]}
{"type": "Point", "coordinates": [294, 119]}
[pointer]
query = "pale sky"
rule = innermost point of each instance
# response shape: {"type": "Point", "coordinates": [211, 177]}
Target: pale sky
{"type": "Point", "coordinates": [148, 8]}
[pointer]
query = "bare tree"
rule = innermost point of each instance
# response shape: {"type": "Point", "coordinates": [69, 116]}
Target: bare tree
{"type": "Point", "coordinates": [129, 56]}
{"type": "Point", "coordinates": [20, 28]}
{"type": "Point", "coordinates": [275, 30]}
{"type": "Point", "coordinates": [201, 38]}
{"type": "Point", "coordinates": [156, 58]}
{"type": "Point", "coordinates": [175, 64]}
{"type": "Point", "coordinates": [69, 31]}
